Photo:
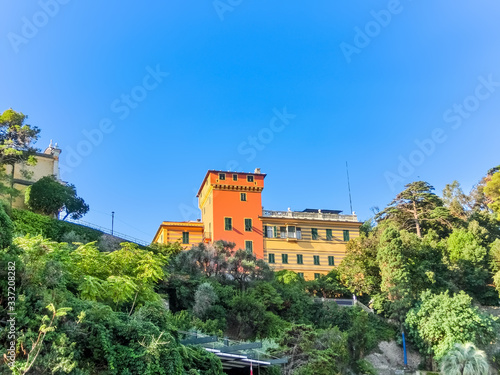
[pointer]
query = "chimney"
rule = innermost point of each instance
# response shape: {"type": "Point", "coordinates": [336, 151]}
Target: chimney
{"type": "Point", "coordinates": [257, 171]}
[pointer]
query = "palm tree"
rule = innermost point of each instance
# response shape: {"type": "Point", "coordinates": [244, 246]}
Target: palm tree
{"type": "Point", "coordinates": [465, 359]}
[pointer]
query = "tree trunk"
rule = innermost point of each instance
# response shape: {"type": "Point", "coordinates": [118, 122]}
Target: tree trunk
{"type": "Point", "coordinates": [417, 223]}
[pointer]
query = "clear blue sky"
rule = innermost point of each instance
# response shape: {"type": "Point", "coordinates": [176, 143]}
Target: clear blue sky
{"type": "Point", "coordinates": [365, 81]}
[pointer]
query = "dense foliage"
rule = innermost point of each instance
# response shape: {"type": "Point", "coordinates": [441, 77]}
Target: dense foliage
{"type": "Point", "coordinates": [427, 265]}
{"type": "Point", "coordinates": [49, 197]}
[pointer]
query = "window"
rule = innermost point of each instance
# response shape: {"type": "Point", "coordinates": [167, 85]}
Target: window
{"type": "Point", "coordinates": [248, 225]}
{"type": "Point", "coordinates": [300, 259]}
{"type": "Point", "coordinates": [269, 232]}
{"type": "Point", "coordinates": [301, 274]}
{"type": "Point", "coordinates": [271, 258]}
{"type": "Point", "coordinates": [284, 258]}
{"type": "Point", "coordinates": [317, 276]}
{"type": "Point", "coordinates": [346, 235]}
{"type": "Point", "coordinates": [250, 178]}
{"type": "Point", "coordinates": [291, 232]}
{"type": "Point", "coordinates": [185, 237]}
{"type": "Point", "coordinates": [299, 233]}
{"type": "Point", "coordinates": [249, 246]}
{"type": "Point", "coordinates": [222, 176]}
{"type": "Point", "coordinates": [314, 233]}
{"type": "Point", "coordinates": [331, 260]}
{"type": "Point", "coordinates": [316, 260]}
{"type": "Point", "coordinates": [228, 223]}
{"type": "Point", "coordinates": [235, 177]}
{"type": "Point", "coordinates": [243, 197]}
{"type": "Point", "coordinates": [329, 235]}
{"type": "Point", "coordinates": [283, 232]}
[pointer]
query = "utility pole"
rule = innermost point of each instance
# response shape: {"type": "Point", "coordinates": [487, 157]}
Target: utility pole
{"type": "Point", "coordinates": [112, 222]}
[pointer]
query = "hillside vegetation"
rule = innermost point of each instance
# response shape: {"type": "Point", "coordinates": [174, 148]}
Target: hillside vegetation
{"type": "Point", "coordinates": [425, 263]}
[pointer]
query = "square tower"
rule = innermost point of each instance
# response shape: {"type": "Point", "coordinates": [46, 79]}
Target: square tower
{"type": "Point", "coordinates": [231, 207]}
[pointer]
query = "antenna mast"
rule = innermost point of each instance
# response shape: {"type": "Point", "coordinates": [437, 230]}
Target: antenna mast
{"type": "Point", "coordinates": [348, 185]}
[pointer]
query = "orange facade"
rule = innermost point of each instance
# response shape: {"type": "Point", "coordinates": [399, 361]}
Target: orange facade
{"type": "Point", "coordinates": [231, 207]}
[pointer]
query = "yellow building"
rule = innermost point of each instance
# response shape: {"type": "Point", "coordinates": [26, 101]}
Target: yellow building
{"type": "Point", "coordinates": [188, 233]}
{"type": "Point", "coordinates": [309, 242]}
{"type": "Point", "coordinates": [25, 175]}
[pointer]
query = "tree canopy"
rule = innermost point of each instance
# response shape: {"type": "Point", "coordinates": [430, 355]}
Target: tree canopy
{"type": "Point", "coordinates": [49, 197]}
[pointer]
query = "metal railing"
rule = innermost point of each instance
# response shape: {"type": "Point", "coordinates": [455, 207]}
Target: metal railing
{"type": "Point", "coordinates": [309, 215]}
{"type": "Point", "coordinates": [108, 231]}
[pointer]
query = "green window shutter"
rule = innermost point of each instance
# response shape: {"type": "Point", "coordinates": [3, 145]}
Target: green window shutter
{"type": "Point", "coordinates": [185, 237]}
{"type": "Point", "coordinates": [271, 258]}
{"type": "Point", "coordinates": [300, 259]}
{"type": "Point", "coordinates": [249, 246]}
{"type": "Point", "coordinates": [228, 223]}
{"type": "Point", "coordinates": [329, 235]}
{"type": "Point", "coordinates": [346, 235]}
{"type": "Point", "coordinates": [331, 260]}
{"type": "Point", "coordinates": [275, 232]}
{"type": "Point", "coordinates": [265, 230]}
{"type": "Point", "coordinates": [314, 233]}
{"type": "Point", "coordinates": [316, 260]}
{"type": "Point", "coordinates": [284, 258]}
{"type": "Point", "coordinates": [248, 225]}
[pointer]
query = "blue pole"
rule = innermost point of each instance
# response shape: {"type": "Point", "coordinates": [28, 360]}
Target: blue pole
{"type": "Point", "coordinates": [404, 349]}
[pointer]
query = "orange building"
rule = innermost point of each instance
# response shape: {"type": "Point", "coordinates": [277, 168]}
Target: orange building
{"type": "Point", "coordinates": [231, 206]}
{"type": "Point", "coordinates": [309, 242]}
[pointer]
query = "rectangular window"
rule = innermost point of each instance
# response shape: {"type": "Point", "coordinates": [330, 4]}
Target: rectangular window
{"type": "Point", "coordinates": [300, 259]}
{"type": "Point", "coordinates": [284, 258]}
{"type": "Point", "coordinates": [250, 178]}
{"type": "Point", "coordinates": [317, 276]}
{"type": "Point", "coordinates": [222, 176]}
{"type": "Point", "coordinates": [185, 237]}
{"type": "Point", "coordinates": [243, 197]}
{"type": "Point", "coordinates": [329, 235]}
{"type": "Point", "coordinates": [331, 260]}
{"type": "Point", "coordinates": [271, 258]}
{"type": "Point", "coordinates": [228, 223]}
{"type": "Point", "coordinates": [301, 274]}
{"type": "Point", "coordinates": [346, 235]}
{"type": "Point", "coordinates": [314, 233]}
{"type": "Point", "coordinates": [249, 246]}
{"type": "Point", "coordinates": [316, 260]}
{"type": "Point", "coordinates": [299, 233]}
{"type": "Point", "coordinates": [291, 232]}
{"type": "Point", "coordinates": [235, 177]}
{"type": "Point", "coordinates": [248, 225]}
{"type": "Point", "coordinates": [283, 232]}
{"type": "Point", "coordinates": [269, 231]}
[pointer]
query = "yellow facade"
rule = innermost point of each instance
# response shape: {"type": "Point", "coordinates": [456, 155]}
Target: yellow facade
{"type": "Point", "coordinates": [289, 242]}
{"type": "Point", "coordinates": [25, 175]}
{"type": "Point", "coordinates": [187, 233]}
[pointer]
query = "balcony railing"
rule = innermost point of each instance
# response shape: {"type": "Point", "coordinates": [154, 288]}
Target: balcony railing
{"type": "Point", "coordinates": [309, 215]}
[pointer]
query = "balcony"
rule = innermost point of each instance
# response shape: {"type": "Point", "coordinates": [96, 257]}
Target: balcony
{"type": "Point", "coordinates": [309, 216]}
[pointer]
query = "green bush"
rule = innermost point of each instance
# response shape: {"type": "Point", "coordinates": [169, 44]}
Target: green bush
{"type": "Point", "coordinates": [26, 222]}
{"type": "Point", "coordinates": [6, 228]}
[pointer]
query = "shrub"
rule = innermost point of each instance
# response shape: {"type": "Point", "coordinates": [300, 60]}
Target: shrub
{"type": "Point", "coordinates": [6, 228]}
{"type": "Point", "coordinates": [26, 222]}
